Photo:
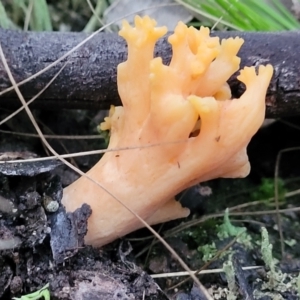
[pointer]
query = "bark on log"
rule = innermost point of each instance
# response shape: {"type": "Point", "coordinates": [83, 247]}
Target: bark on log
{"type": "Point", "coordinates": [89, 79]}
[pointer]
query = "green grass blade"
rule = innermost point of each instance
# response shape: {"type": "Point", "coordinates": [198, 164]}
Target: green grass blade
{"type": "Point", "coordinates": [40, 18]}
{"type": "Point", "coordinates": [205, 15]}
{"type": "Point", "coordinates": [255, 15]}
{"type": "Point", "coordinates": [5, 22]}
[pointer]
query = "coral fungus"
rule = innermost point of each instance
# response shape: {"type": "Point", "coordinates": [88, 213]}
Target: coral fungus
{"type": "Point", "coordinates": [186, 112]}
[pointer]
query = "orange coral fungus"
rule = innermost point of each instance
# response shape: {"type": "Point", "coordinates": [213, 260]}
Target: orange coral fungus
{"type": "Point", "coordinates": [185, 107]}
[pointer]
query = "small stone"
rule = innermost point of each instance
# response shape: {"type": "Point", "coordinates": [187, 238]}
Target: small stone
{"type": "Point", "coordinates": [49, 204]}
{"type": "Point", "coordinates": [16, 285]}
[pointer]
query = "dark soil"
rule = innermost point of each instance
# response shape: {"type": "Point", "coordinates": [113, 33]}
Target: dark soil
{"type": "Point", "coordinates": [41, 243]}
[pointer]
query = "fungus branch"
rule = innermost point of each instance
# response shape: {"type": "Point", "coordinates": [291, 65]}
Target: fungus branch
{"type": "Point", "coordinates": [187, 107]}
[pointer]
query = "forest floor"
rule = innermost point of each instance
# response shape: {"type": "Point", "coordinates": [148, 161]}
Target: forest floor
{"type": "Point", "coordinates": [41, 246]}
{"type": "Point", "coordinates": [36, 251]}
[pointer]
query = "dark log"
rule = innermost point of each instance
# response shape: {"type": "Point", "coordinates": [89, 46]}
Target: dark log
{"type": "Point", "coordinates": [89, 79]}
